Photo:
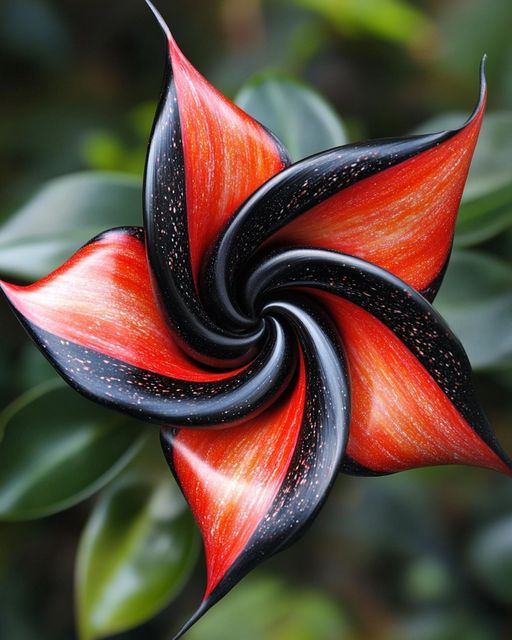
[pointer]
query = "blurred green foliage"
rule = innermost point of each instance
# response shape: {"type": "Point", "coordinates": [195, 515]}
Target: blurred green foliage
{"type": "Point", "coordinates": [134, 555]}
{"type": "Point", "coordinates": [425, 555]}
{"type": "Point", "coordinates": [76, 448]}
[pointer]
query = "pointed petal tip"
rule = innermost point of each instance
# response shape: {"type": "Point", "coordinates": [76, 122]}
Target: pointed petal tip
{"type": "Point", "coordinates": [505, 462]}
{"type": "Point", "coordinates": [483, 79]}
{"type": "Point", "coordinates": [199, 613]}
{"type": "Point", "coordinates": [482, 94]}
{"type": "Point", "coordinates": [160, 20]}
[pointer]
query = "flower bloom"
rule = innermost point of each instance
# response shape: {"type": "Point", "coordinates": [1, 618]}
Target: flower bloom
{"type": "Point", "coordinates": [274, 317]}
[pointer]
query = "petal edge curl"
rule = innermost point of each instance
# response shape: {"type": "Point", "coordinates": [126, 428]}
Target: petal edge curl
{"type": "Point", "coordinates": [205, 157]}
{"type": "Point", "coordinates": [368, 191]}
{"type": "Point", "coordinates": [414, 329]}
{"type": "Point", "coordinates": [255, 489]}
{"type": "Point", "coordinates": [96, 320]}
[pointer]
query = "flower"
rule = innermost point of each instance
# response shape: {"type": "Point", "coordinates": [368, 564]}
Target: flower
{"type": "Point", "coordinates": [288, 304]}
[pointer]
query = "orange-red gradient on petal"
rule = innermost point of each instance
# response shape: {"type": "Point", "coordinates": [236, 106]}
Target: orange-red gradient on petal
{"type": "Point", "coordinates": [401, 419]}
{"type": "Point", "coordinates": [401, 219]}
{"type": "Point", "coordinates": [227, 155]}
{"type": "Point", "coordinates": [230, 477]}
{"type": "Point", "coordinates": [102, 299]}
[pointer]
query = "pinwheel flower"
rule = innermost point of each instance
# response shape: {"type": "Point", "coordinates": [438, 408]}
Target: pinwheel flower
{"type": "Point", "coordinates": [275, 318]}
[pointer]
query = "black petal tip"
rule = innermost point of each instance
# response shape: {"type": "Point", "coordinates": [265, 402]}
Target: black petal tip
{"type": "Point", "coordinates": [482, 94]}
{"type": "Point", "coordinates": [199, 613]}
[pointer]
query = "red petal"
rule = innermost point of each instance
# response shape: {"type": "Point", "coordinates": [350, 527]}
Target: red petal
{"type": "Point", "coordinates": [102, 299]}
{"type": "Point", "coordinates": [400, 417]}
{"type": "Point", "coordinates": [402, 218]}
{"type": "Point", "coordinates": [227, 154]}
{"type": "Point", "coordinates": [231, 477]}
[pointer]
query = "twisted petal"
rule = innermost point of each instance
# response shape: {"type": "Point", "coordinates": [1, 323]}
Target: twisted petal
{"type": "Point", "coordinates": [401, 218]}
{"type": "Point", "coordinates": [402, 419]}
{"type": "Point", "coordinates": [97, 321]}
{"type": "Point", "coordinates": [392, 202]}
{"type": "Point", "coordinates": [413, 398]}
{"type": "Point", "coordinates": [254, 489]}
{"type": "Point", "coordinates": [206, 156]}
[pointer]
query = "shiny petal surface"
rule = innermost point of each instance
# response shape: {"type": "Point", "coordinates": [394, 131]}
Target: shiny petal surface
{"type": "Point", "coordinates": [206, 156]}
{"type": "Point", "coordinates": [401, 419]}
{"type": "Point", "coordinates": [256, 355]}
{"type": "Point", "coordinates": [97, 321]}
{"type": "Point", "coordinates": [402, 218]}
{"type": "Point", "coordinates": [413, 398]}
{"type": "Point", "coordinates": [253, 489]}
{"type": "Point", "coordinates": [392, 202]}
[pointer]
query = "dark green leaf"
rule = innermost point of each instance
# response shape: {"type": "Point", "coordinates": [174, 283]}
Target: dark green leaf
{"type": "Point", "coordinates": [476, 301]}
{"type": "Point", "coordinates": [469, 29]}
{"type": "Point", "coordinates": [299, 117]}
{"type": "Point", "coordinates": [33, 368]}
{"type": "Point", "coordinates": [136, 551]}
{"type": "Point", "coordinates": [58, 449]}
{"type": "Point", "coordinates": [64, 215]}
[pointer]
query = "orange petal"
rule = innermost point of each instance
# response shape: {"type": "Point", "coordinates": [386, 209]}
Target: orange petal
{"type": "Point", "coordinates": [400, 417]}
{"type": "Point", "coordinates": [96, 320]}
{"type": "Point", "coordinates": [227, 154]}
{"type": "Point", "coordinates": [102, 299]}
{"type": "Point", "coordinates": [401, 218]}
{"type": "Point", "coordinates": [231, 477]}
{"type": "Point", "coordinates": [254, 489]}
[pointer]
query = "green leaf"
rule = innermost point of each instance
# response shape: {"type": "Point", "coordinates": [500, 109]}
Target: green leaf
{"type": "Point", "coordinates": [490, 557]}
{"type": "Point", "coordinates": [268, 609]}
{"type": "Point", "coordinates": [486, 207]}
{"type": "Point", "coordinates": [58, 449]}
{"type": "Point", "coordinates": [135, 553]}
{"type": "Point", "coordinates": [394, 20]}
{"type": "Point", "coordinates": [476, 301]}
{"type": "Point", "coordinates": [299, 117]}
{"type": "Point", "coordinates": [64, 215]}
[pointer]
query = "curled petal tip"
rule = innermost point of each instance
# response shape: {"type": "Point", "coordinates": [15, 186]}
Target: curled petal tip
{"type": "Point", "coordinates": [482, 96]}
{"type": "Point", "coordinates": [483, 79]}
{"type": "Point", "coordinates": [160, 20]}
{"type": "Point", "coordinates": [483, 65]}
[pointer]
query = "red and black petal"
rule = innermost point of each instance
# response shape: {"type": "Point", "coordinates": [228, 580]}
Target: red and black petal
{"type": "Point", "coordinates": [97, 321]}
{"type": "Point", "coordinates": [391, 202]}
{"type": "Point", "coordinates": [253, 489]}
{"type": "Point", "coordinates": [205, 157]}
{"type": "Point", "coordinates": [319, 340]}
{"type": "Point", "coordinates": [413, 398]}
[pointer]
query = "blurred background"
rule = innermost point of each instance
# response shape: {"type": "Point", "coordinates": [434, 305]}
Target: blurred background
{"type": "Point", "coordinates": [424, 555]}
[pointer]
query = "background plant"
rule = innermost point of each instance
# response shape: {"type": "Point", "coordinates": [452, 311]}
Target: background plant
{"type": "Point", "coordinates": [84, 495]}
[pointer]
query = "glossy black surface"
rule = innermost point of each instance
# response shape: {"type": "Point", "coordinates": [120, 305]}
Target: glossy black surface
{"type": "Point", "coordinates": [282, 199]}
{"type": "Point", "coordinates": [165, 221]}
{"type": "Point", "coordinates": [397, 305]}
{"type": "Point", "coordinates": [295, 191]}
{"type": "Point", "coordinates": [321, 444]}
{"type": "Point", "coordinates": [161, 399]}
